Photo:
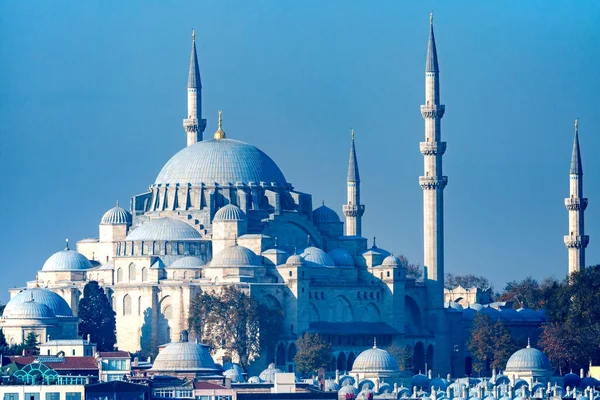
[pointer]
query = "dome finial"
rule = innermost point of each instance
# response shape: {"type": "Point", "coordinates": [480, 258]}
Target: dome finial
{"type": "Point", "coordinates": [374, 242]}
{"type": "Point", "coordinates": [528, 343]}
{"type": "Point", "coordinates": [117, 203]}
{"type": "Point", "coordinates": [352, 134]}
{"type": "Point", "coordinates": [576, 125]}
{"type": "Point", "coordinates": [67, 248]}
{"type": "Point", "coordinates": [275, 241]}
{"type": "Point", "coordinates": [308, 240]}
{"type": "Point", "coordinates": [431, 18]}
{"type": "Point", "coordinates": [219, 134]}
{"type": "Point", "coordinates": [374, 342]}
{"type": "Point", "coordinates": [37, 282]}
{"type": "Point", "coordinates": [193, 35]}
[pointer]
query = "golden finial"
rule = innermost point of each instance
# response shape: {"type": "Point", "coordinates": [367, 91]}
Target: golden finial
{"type": "Point", "coordinates": [352, 133]}
{"type": "Point", "coordinates": [193, 35]}
{"type": "Point", "coordinates": [431, 18]}
{"type": "Point", "coordinates": [37, 282]}
{"type": "Point", "coordinates": [219, 134]}
{"type": "Point", "coordinates": [576, 125]}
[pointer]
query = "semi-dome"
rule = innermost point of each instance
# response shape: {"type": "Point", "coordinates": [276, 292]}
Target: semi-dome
{"type": "Point", "coordinates": [164, 229]}
{"type": "Point", "coordinates": [188, 262]}
{"type": "Point", "coordinates": [325, 215]}
{"type": "Point", "coordinates": [294, 259]}
{"type": "Point", "coordinates": [184, 356]}
{"type": "Point", "coordinates": [220, 161]}
{"type": "Point", "coordinates": [57, 304]}
{"type": "Point", "coordinates": [229, 212]}
{"type": "Point", "coordinates": [341, 257]}
{"type": "Point", "coordinates": [268, 375]}
{"type": "Point", "coordinates": [528, 359]}
{"type": "Point", "coordinates": [391, 262]}
{"type": "Point", "coordinates": [235, 256]}
{"type": "Point", "coordinates": [30, 309]}
{"type": "Point", "coordinates": [116, 216]}
{"type": "Point", "coordinates": [375, 360]}
{"type": "Point", "coordinates": [67, 260]}
{"type": "Point", "coordinates": [316, 256]}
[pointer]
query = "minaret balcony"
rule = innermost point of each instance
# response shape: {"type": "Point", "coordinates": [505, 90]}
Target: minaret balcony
{"type": "Point", "coordinates": [433, 110]}
{"type": "Point", "coordinates": [352, 210]}
{"type": "Point", "coordinates": [576, 204]}
{"type": "Point", "coordinates": [190, 124]}
{"type": "Point", "coordinates": [432, 149]}
{"type": "Point", "coordinates": [433, 182]}
{"type": "Point", "coordinates": [577, 241]}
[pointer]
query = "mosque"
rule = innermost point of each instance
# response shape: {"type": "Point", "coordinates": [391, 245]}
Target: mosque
{"type": "Point", "coordinates": [221, 212]}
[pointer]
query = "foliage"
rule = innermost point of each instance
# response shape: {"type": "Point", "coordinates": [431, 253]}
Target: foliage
{"type": "Point", "coordinates": [12, 350]}
{"type": "Point", "coordinates": [529, 293]}
{"type": "Point", "coordinates": [31, 343]}
{"type": "Point", "coordinates": [3, 342]}
{"type": "Point", "coordinates": [234, 321]}
{"type": "Point", "coordinates": [489, 343]}
{"type": "Point", "coordinates": [97, 317]}
{"type": "Point", "coordinates": [2, 308]}
{"type": "Point", "coordinates": [574, 310]}
{"type": "Point", "coordinates": [403, 354]}
{"type": "Point", "coordinates": [466, 281]}
{"type": "Point", "coordinates": [314, 352]}
{"type": "Point", "coordinates": [413, 271]}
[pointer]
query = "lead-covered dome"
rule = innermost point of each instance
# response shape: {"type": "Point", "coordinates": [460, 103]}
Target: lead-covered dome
{"type": "Point", "coordinates": [184, 356]}
{"type": "Point", "coordinates": [235, 256]}
{"type": "Point", "coordinates": [229, 212]}
{"type": "Point", "coordinates": [52, 300]}
{"type": "Point", "coordinates": [375, 360]}
{"type": "Point", "coordinates": [325, 215]}
{"type": "Point", "coordinates": [341, 257]}
{"type": "Point", "coordinates": [164, 229]}
{"type": "Point", "coordinates": [220, 161]}
{"type": "Point", "coordinates": [314, 255]}
{"type": "Point", "coordinates": [66, 260]}
{"type": "Point", "coordinates": [116, 216]}
{"type": "Point", "coordinates": [29, 310]}
{"type": "Point", "coordinates": [528, 359]}
{"type": "Point", "coordinates": [188, 262]}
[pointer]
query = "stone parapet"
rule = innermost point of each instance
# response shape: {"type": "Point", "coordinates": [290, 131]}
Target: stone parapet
{"type": "Point", "coordinates": [576, 241]}
{"type": "Point", "coordinates": [352, 210]}
{"type": "Point", "coordinates": [432, 149]}
{"type": "Point", "coordinates": [576, 204]}
{"type": "Point", "coordinates": [433, 111]}
{"type": "Point", "coordinates": [433, 182]}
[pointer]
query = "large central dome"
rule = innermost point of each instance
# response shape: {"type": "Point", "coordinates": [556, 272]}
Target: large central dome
{"type": "Point", "coordinates": [220, 161]}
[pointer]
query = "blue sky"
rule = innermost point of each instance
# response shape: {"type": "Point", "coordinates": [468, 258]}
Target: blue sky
{"type": "Point", "coordinates": [92, 95]}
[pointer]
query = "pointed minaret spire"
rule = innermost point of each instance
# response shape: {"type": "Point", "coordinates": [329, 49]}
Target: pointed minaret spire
{"type": "Point", "coordinates": [576, 241]}
{"type": "Point", "coordinates": [433, 180]}
{"type": "Point", "coordinates": [194, 125]}
{"type": "Point", "coordinates": [353, 210]}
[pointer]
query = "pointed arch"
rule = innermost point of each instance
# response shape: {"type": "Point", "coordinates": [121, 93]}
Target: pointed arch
{"type": "Point", "coordinates": [119, 275]}
{"type": "Point", "coordinates": [314, 314]}
{"type": "Point", "coordinates": [127, 305]}
{"type": "Point", "coordinates": [372, 313]}
{"type": "Point", "coordinates": [341, 310]}
{"type": "Point", "coordinates": [429, 357]}
{"type": "Point", "coordinates": [132, 272]}
{"type": "Point", "coordinates": [351, 358]}
{"type": "Point", "coordinates": [292, 352]}
{"type": "Point", "coordinates": [144, 274]}
{"type": "Point", "coordinates": [280, 360]}
{"type": "Point", "coordinates": [419, 358]}
{"type": "Point", "coordinates": [341, 362]}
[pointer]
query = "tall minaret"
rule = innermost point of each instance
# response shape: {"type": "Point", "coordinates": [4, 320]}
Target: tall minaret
{"type": "Point", "coordinates": [433, 182]}
{"type": "Point", "coordinates": [576, 241]}
{"type": "Point", "coordinates": [353, 210]}
{"type": "Point", "coordinates": [194, 125]}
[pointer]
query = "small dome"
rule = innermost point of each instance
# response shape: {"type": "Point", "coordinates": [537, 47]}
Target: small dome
{"type": "Point", "coordinates": [440, 383]}
{"type": "Point", "coordinates": [453, 305]}
{"type": "Point", "coordinates": [57, 304]}
{"type": "Point", "coordinates": [164, 229]}
{"type": "Point", "coordinates": [476, 307]}
{"type": "Point", "coordinates": [314, 255]}
{"type": "Point", "coordinates": [421, 381]}
{"type": "Point", "coordinates": [347, 389]}
{"type": "Point", "coordinates": [331, 386]}
{"type": "Point", "coordinates": [510, 314]}
{"type": "Point", "coordinates": [229, 212]}
{"type": "Point", "coordinates": [188, 262]}
{"type": "Point", "coordinates": [571, 380]}
{"type": "Point", "coordinates": [529, 314]}
{"type": "Point", "coordinates": [67, 260]}
{"type": "Point", "coordinates": [29, 310]}
{"type": "Point", "coordinates": [235, 374]}
{"type": "Point", "coordinates": [116, 216]}
{"type": "Point", "coordinates": [375, 360]}
{"type": "Point", "coordinates": [528, 359]}
{"type": "Point", "coordinates": [254, 380]}
{"type": "Point", "coordinates": [392, 261]}
{"type": "Point", "coordinates": [235, 256]}
{"type": "Point", "coordinates": [325, 215]}
{"type": "Point", "coordinates": [295, 259]}
{"type": "Point", "coordinates": [341, 257]}
{"type": "Point", "coordinates": [268, 375]}
{"type": "Point", "coordinates": [184, 356]}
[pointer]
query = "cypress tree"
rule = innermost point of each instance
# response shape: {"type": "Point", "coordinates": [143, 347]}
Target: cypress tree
{"type": "Point", "coordinates": [97, 317]}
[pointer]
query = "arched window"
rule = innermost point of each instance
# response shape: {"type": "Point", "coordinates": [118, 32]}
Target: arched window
{"type": "Point", "coordinates": [119, 275]}
{"type": "Point", "coordinates": [144, 274]}
{"type": "Point", "coordinates": [127, 305]}
{"type": "Point", "coordinates": [184, 274]}
{"type": "Point", "coordinates": [131, 272]}
{"type": "Point", "coordinates": [140, 305]}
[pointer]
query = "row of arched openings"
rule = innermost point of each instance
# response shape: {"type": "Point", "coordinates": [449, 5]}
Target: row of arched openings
{"type": "Point", "coordinates": [285, 354]}
{"type": "Point", "coordinates": [132, 274]}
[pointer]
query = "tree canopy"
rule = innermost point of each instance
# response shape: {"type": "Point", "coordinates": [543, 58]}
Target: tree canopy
{"type": "Point", "coordinates": [97, 317]}
{"type": "Point", "coordinates": [234, 321]}
{"type": "Point", "coordinates": [413, 271]}
{"type": "Point", "coordinates": [490, 343]}
{"type": "Point", "coordinates": [313, 353]}
{"type": "Point", "coordinates": [451, 281]}
{"type": "Point", "coordinates": [529, 293]}
{"type": "Point", "coordinates": [31, 343]}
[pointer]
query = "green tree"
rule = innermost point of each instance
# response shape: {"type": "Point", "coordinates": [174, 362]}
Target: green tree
{"type": "Point", "coordinates": [3, 342]}
{"type": "Point", "coordinates": [235, 322]}
{"type": "Point", "coordinates": [31, 343]}
{"type": "Point", "coordinates": [97, 317]}
{"type": "Point", "coordinates": [529, 293]}
{"type": "Point", "coordinates": [404, 355]}
{"type": "Point", "coordinates": [313, 353]}
{"type": "Point", "coordinates": [490, 343]}
{"type": "Point", "coordinates": [413, 271]}
{"type": "Point", "coordinates": [560, 343]}
{"type": "Point", "coordinates": [451, 281]}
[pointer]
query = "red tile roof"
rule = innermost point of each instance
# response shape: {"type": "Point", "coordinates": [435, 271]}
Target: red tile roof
{"type": "Point", "coordinates": [207, 386]}
{"type": "Point", "coordinates": [114, 354]}
{"type": "Point", "coordinates": [69, 363]}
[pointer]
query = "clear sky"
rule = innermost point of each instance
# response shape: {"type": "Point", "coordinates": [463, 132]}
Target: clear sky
{"type": "Point", "coordinates": [92, 96]}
